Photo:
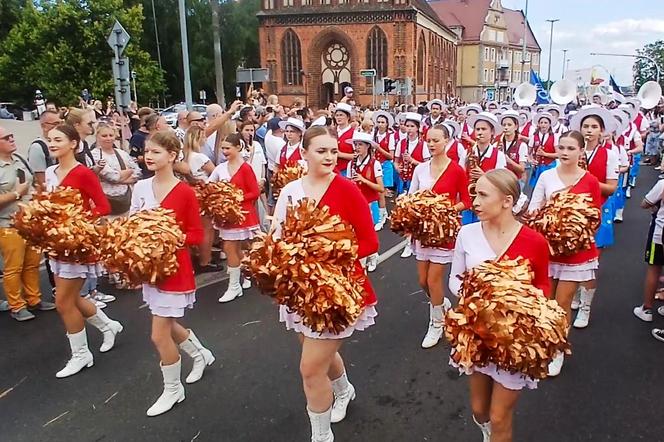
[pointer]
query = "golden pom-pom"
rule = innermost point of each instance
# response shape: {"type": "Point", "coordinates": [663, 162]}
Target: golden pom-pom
{"type": "Point", "coordinates": [503, 319]}
{"type": "Point", "coordinates": [568, 221]}
{"type": "Point", "coordinates": [142, 247]}
{"type": "Point", "coordinates": [221, 201]}
{"type": "Point", "coordinates": [57, 223]}
{"type": "Point", "coordinates": [311, 268]}
{"type": "Point", "coordinates": [284, 175]}
{"type": "Point", "coordinates": [426, 216]}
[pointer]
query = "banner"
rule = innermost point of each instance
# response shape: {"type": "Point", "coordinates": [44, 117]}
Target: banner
{"type": "Point", "coordinates": [542, 94]}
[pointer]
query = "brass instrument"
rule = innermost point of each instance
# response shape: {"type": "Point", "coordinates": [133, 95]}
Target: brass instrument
{"type": "Point", "coordinates": [406, 167]}
{"type": "Point", "coordinates": [472, 161]}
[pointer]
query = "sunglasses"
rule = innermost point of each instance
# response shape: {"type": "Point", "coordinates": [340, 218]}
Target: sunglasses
{"type": "Point", "coordinates": [7, 137]}
{"type": "Point", "coordinates": [200, 120]}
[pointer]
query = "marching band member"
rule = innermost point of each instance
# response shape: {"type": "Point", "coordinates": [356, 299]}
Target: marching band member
{"type": "Point", "coordinates": [483, 156]}
{"type": "Point", "coordinates": [169, 299]}
{"type": "Point", "coordinates": [567, 272]}
{"type": "Point", "coordinates": [618, 147]}
{"type": "Point", "coordinates": [515, 150]}
{"type": "Point", "coordinates": [455, 150]}
{"type": "Point", "coordinates": [324, 377]}
{"type": "Point", "coordinates": [435, 108]}
{"type": "Point", "coordinates": [632, 140]}
{"type": "Point", "coordinates": [410, 152]}
{"type": "Point", "coordinates": [345, 131]}
{"type": "Point", "coordinates": [593, 122]}
{"type": "Point", "coordinates": [291, 153]}
{"type": "Point", "coordinates": [444, 176]}
{"type": "Point", "coordinates": [238, 172]}
{"type": "Point", "coordinates": [467, 134]}
{"type": "Point", "coordinates": [558, 128]}
{"type": "Point", "coordinates": [542, 145]}
{"type": "Point", "coordinates": [494, 392]}
{"type": "Point", "coordinates": [383, 137]}
{"type": "Point", "coordinates": [367, 173]}
{"type": "Point", "coordinates": [527, 130]}
{"type": "Point", "coordinates": [74, 310]}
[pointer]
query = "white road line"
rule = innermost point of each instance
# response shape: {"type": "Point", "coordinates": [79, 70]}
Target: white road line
{"type": "Point", "coordinates": [391, 252]}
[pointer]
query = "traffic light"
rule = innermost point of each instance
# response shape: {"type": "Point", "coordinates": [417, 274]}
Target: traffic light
{"type": "Point", "coordinates": [389, 85]}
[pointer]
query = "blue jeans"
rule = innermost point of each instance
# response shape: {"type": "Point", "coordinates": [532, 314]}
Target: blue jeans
{"type": "Point", "coordinates": [89, 286]}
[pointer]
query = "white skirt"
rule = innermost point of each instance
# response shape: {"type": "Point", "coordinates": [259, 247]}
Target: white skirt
{"type": "Point", "coordinates": [167, 305]}
{"type": "Point", "coordinates": [431, 254]}
{"type": "Point", "coordinates": [239, 234]}
{"type": "Point", "coordinates": [573, 272]}
{"type": "Point", "coordinates": [511, 381]}
{"type": "Point", "coordinates": [293, 321]}
{"type": "Point", "coordinates": [68, 270]}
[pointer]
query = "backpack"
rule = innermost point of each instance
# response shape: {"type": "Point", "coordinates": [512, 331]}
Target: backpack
{"type": "Point", "coordinates": [47, 157]}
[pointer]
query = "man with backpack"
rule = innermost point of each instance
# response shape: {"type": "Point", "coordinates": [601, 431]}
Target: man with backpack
{"type": "Point", "coordinates": [38, 156]}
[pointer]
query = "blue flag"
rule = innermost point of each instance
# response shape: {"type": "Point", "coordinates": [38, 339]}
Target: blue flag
{"type": "Point", "coordinates": [614, 85]}
{"type": "Point", "coordinates": [542, 94]}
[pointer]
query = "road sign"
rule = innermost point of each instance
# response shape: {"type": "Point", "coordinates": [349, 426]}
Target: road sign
{"type": "Point", "coordinates": [490, 94]}
{"type": "Point", "coordinates": [202, 95]}
{"type": "Point", "coordinates": [252, 75]}
{"type": "Point", "coordinates": [118, 38]}
{"type": "Point", "coordinates": [121, 81]}
{"type": "Point", "coordinates": [385, 105]}
{"type": "Point", "coordinates": [368, 73]}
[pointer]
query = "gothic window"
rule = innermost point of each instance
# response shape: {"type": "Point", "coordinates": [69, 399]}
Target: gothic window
{"type": "Point", "coordinates": [291, 59]}
{"type": "Point", "coordinates": [421, 57]}
{"type": "Point", "coordinates": [377, 57]}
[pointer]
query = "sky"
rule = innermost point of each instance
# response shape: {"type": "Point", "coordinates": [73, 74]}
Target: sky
{"type": "Point", "coordinates": [587, 26]}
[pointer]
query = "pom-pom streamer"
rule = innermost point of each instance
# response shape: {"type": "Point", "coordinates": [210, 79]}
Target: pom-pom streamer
{"type": "Point", "coordinates": [426, 216]}
{"type": "Point", "coordinates": [221, 201]}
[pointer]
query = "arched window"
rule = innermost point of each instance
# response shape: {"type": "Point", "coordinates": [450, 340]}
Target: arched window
{"type": "Point", "coordinates": [377, 52]}
{"type": "Point", "coordinates": [291, 59]}
{"type": "Point", "coordinates": [421, 57]}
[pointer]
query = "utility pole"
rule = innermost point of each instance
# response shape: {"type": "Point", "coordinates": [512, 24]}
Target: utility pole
{"type": "Point", "coordinates": [525, 39]}
{"type": "Point", "coordinates": [564, 58]}
{"type": "Point", "coordinates": [548, 80]}
{"type": "Point", "coordinates": [156, 37]}
{"type": "Point", "coordinates": [218, 66]}
{"type": "Point", "coordinates": [188, 98]}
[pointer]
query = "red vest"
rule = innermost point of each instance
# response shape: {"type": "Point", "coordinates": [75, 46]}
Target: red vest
{"type": "Point", "coordinates": [368, 172]}
{"type": "Point", "coordinates": [597, 166]}
{"type": "Point", "coordinates": [417, 154]}
{"type": "Point", "coordinates": [453, 151]}
{"type": "Point", "coordinates": [549, 146]}
{"type": "Point", "coordinates": [384, 144]}
{"type": "Point", "coordinates": [466, 130]}
{"type": "Point", "coordinates": [526, 129]}
{"type": "Point", "coordinates": [345, 148]}
{"type": "Point", "coordinates": [512, 151]}
{"type": "Point", "coordinates": [293, 159]}
{"type": "Point", "coordinates": [487, 163]}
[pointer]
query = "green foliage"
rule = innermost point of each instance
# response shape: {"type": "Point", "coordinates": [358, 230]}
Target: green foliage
{"type": "Point", "coordinates": [60, 47]}
{"type": "Point", "coordinates": [645, 70]}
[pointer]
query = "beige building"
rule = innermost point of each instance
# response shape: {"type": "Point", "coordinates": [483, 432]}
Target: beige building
{"type": "Point", "coordinates": [489, 55]}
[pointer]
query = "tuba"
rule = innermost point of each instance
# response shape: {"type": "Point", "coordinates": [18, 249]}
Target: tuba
{"type": "Point", "coordinates": [525, 94]}
{"type": "Point", "coordinates": [649, 94]}
{"type": "Point", "coordinates": [472, 161]}
{"type": "Point", "coordinates": [563, 92]}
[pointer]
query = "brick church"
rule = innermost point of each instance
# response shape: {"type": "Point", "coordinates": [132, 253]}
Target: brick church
{"type": "Point", "coordinates": [314, 48]}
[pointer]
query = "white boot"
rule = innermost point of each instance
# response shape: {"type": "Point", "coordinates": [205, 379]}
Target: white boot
{"type": "Point", "coordinates": [435, 331]}
{"type": "Point", "coordinates": [321, 431]}
{"type": "Point", "coordinates": [246, 283]}
{"type": "Point", "coordinates": [576, 300]}
{"type": "Point", "coordinates": [80, 355]}
{"type": "Point", "coordinates": [486, 430]}
{"type": "Point", "coordinates": [407, 251]}
{"type": "Point", "coordinates": [202, 357]}
{"type": "Point", "coordinates": [234, 287]}
{"type": "Point", "coordinates": [628, 192]}
{"type": "Point", "coordinates": [173, 389]}
{"type": "Point", "coordinates": [372, 262]}
{"type": "Point", "coordinates": [583, 316]}
{"type": "Point", "coordinates": [556, 365]}
{"type": "Point", "coordinates": [619, 216]}
{"type": "Point", "coordinates": [344, 392]}
{"type": "Point", "coordinates": [108, 327]}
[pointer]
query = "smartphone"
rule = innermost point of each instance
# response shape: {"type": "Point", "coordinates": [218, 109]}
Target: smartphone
{"type": "Point", "coordinates": [20, 174]}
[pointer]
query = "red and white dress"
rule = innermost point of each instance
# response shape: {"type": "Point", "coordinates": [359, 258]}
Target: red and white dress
{"type": "Point", "coordinates": [386, 142]}
{"type": "Point", "coordinates": [453, 183]}
{"type": "Point", "coordinates": [582, 265]}
{"type": "Point", "coordinates": [169, 298]}
{"type": "Point", "coordinates": [603, 163]}
{"type": "Point", "coordinates": [517, 151]}
{"type": "Point", "coordinates": [370, 169]}
{"type": "Point", "coordinates": [417, 149]}
{"type": "Point", "coordinates": [343, 138]}
{"type": "Point", "coordinates": [456, 152]}
{"type": "Point", "coordinates": [245, 180]}
{"type": "Point", "coordinates": [343, 198]}
{"type": "Point", "coordinates": [94, 199]}
{"type": "Point", "coordinates": [471, 249]}
{"type": "Point", "coordinates": [492, 158]}
{"type": "Point", "coordinates": [547, 142]}
{"type": "Point", "coordinates": [290, 155]}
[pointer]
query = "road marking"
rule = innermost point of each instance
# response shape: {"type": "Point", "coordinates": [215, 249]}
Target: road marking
{"type": "Point", "coordinates": [391, 252]}
{"type": "Point", "coordinates": [55, 419]}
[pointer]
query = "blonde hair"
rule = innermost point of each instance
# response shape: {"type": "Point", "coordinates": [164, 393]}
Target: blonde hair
{"type": "Point", "coordinates": [225, 130]}
{"type": "Point", "coordinates": [193, 139]}
{"type": "Point", "coordinates": [506, 183]}
{"type": "Point", "coordinates": [167, 140]}
{"type": "Point", "coordinates": [272, 100]}
{"type": "Point", "coordinates": [367, 126]}
{"type": "Point", "coordinates": [75, 115]}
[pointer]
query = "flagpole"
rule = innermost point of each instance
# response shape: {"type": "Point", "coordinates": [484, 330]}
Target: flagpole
{"type": "Point", "coordinates": [548, 80]}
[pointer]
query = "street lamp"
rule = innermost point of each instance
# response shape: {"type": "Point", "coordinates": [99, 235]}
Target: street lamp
{"type": "Point", "coordinates": [548, 81]}
{"type": "Point", "coordinates": [652, 60]}
{"type": "Point", "coordinates": [564, 58]}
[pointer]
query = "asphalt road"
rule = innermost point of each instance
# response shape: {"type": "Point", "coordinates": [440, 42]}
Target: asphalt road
{"type": "Point", "coordinates": [608, 390]}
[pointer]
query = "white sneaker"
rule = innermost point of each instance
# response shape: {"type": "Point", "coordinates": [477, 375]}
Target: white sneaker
{"type": "Point", "coordinates": [372, 263]}
{"type": "Point", "coordinates": [644, 314]}
{"type": "Point", "coordinates": [103, 297]}
{"type": "Point", "coordinates": [434, 334]}
{"type": "Point", "coordinates": [582, 317]}
{"type": "Point", "coordinates": [341, 403]}
{"type": "Point", "coordinates": [96, 302]}
{"type": "Point", "coordinates": [556, 365]}
{"type": "Point", "coordinates": [576, 300]}
{"type": "Point", "coordinates": [379, 226]}
{"type": "Point", "coordinates": [660, 310]}
{"type": "Point", "coordinates": [619, 216]}
{"type": "Point", "coordinates": [407, 251]}
{"type": "Point", "coordinates": [446, 304]}
{"type": "Point", "coordinates": [628, 192]}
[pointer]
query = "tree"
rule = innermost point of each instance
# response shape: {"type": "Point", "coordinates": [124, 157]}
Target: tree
{"type": "Point", "coordinates": [645, 70]}
{"type": "Point", "coordinates": [60, 48]}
